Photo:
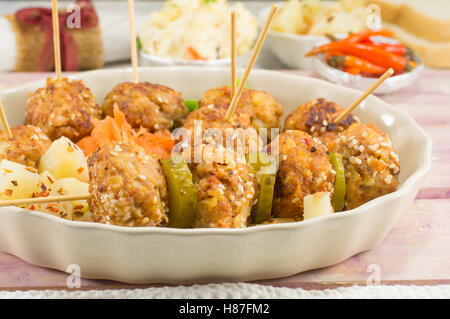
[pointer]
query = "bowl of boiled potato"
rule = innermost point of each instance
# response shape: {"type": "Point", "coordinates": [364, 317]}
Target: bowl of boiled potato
{"type": "Point", "coordinates": [301, 24]}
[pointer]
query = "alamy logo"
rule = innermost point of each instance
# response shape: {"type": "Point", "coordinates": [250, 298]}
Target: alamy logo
{"type": "Point", "coordinates": [74, 280]}
{"type": "Point", "coordinates": [73, 21]}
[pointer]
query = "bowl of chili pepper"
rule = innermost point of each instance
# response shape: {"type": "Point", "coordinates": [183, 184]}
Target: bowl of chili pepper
{"type": "Point", "coordinates": [359, 59]}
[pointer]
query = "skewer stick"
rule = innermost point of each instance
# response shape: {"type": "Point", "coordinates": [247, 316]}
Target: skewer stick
{"type": "Point", "coordinates": [233, 52]}
{"type": "Point", "coordinates": [56, 45]}
{"type": "Point", "coordinates": [5, 123]}
{"type": "Point", "coordinates": [133, 44]}
{"type": "Point", "coordinates": [43, 200]}
{"type": "Point", "coordinates": [251, 62]}
{"type": "Point", "coordinates": [355, 104]}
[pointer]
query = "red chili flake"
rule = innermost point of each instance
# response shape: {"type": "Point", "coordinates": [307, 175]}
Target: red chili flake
{"type": "Point", "coordinates": [31, 169]}
{"type": "Point", "coordinates": [43, 194]}
{"type": "Point", "coordinates": [80, 170]}
{"type": "Point", "coordinates": [32, 207]}
{"type": "Point", "coordinates": [8, 192]}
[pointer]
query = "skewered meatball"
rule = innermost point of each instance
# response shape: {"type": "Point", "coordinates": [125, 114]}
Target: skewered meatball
{"type": "Point", "coordinates": [212, 117]}
{"type": "Point", "coordinates": [226, 192]}
{"type": "Point", "coordinates": [371, 165]}
{"type": "Point", "coordinates": [63, 107]}
{"type": "Point", "coordinates": [128, 186]}
{"type": "Point", "coordinates": [152, 106]}
{"type": "Point", "coordinates": [304, 169]}
{"type": "Point", "coordinates": [262, 107]}
{"type": "Point", "coordinates": [26, 147]}
{"type": "Point", "coordinates": [316, 118]}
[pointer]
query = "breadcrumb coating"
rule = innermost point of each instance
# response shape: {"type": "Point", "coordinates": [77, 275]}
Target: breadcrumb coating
{"type": "Point", "coordinates": [304, 168]}
{"type": "Point", "coordinates": [64, 107]}
{"type": "Point", "coordinates": [226, 193]}
{"type": "Point", "coordinates": [263, 109]}
{"type": "Point", "coordinates": [26, 147]}
{"type": "Point", "coordinates": [128, 187]}
{"type": "Point", "coordinates": [152, 106]}
{"type": "Point", "coordinates": [371, 164]}
{"type": "Point", "coordinates": [316, 118]}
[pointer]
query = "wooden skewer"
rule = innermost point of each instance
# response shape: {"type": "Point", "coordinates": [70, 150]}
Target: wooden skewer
{"type": "Point", "coordinates": [233, 52]}
{"type": "Point", "coordinates": [133, 44]}
{"type": "Point", "coordinates": [43, 200]}
{"type": "Point", "coordinates": [251, 62]}
{"type": "Point", "coordinates": [56, 44]}
{"type": "Point", "coordinates": [358, 101]}
{"type": "Point", "coordinates": [5, 123]}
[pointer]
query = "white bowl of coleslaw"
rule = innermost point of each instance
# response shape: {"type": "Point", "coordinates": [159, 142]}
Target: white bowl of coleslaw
{"type": "Point", "coordinates": [195, 32]}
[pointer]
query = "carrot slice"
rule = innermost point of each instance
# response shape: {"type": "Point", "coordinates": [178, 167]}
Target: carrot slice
{"type": "Point", "coordinates": [159, 144]}
{"type": "Point", "coordinates": [117, 128]}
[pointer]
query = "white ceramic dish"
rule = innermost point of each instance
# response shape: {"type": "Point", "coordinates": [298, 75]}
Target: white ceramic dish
{"type": "Point", "coordinates": [164, 255]}
{"type": "Point", "coordinates": [291, 48]}
{"type": "Point", "coordinates": [392, 84]}
{"type": "Point", "coordinates": [146, 59]}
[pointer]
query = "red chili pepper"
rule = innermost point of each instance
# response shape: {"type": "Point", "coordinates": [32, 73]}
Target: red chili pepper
{"type": "Point", "coordinates": [366, 34]}
{"type": "Point", "coordinates": [352, 70]}
{"type": "Point", "coordinates": [396, 48]}
{"type": "Point", "coordinates": [350, 62]}
{"type": "Point", "coordinates": [370, 53]}
{"type": "Point", "coordinates": [329, 54]}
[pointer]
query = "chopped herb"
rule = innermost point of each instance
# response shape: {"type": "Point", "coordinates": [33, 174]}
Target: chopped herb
{"type": "Point", "coordinates": [138, 43]}
{"type": "Point", "coordinates": [192, 105]}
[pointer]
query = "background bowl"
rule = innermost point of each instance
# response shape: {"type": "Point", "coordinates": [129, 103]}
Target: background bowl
{"type": "Point", "coordinates": [165, 255]}
{"type": "Point", "coordinates": [392, 84]}
{"type": "Point", "coordinates": [146, 59]}
{"type": "Point", "coordinates": [291, 48]}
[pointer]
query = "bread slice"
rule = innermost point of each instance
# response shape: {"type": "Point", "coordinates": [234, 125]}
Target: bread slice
{"type": "Point", "coordinates": [423, 18]}
{"type": "Point", "coordinates": [433, 54]}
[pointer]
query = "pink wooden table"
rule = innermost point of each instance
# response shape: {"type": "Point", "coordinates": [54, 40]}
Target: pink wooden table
{"type": "Point", "coordinates": [417, 250]}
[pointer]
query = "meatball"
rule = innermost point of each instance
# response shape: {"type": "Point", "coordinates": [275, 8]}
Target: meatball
{"type": "Point", "coordinates": [304, 169]}
{"type": "Point", "coordinates": [152, 106]}
{"type": "Point", "coordinates": [263, 109]}
{"type": "Point", "coordinates": [63, 107]}
{"type": "Point", "coordinates": [371, 165]}
{"type": "Point", "coordinates": [128, 186]}
{"type": "Point", "coordinates": [237, 134]}
{"type": "Point", "coordinates": [26, 147]}
{"type": "Point", "coordinates": [226, 192]}
{"type": "Point", "coordinates": [316, 118]}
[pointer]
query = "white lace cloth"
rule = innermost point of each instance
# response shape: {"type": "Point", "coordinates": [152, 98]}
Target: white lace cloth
{"type": "Point", "coordinates": [242, 290]}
